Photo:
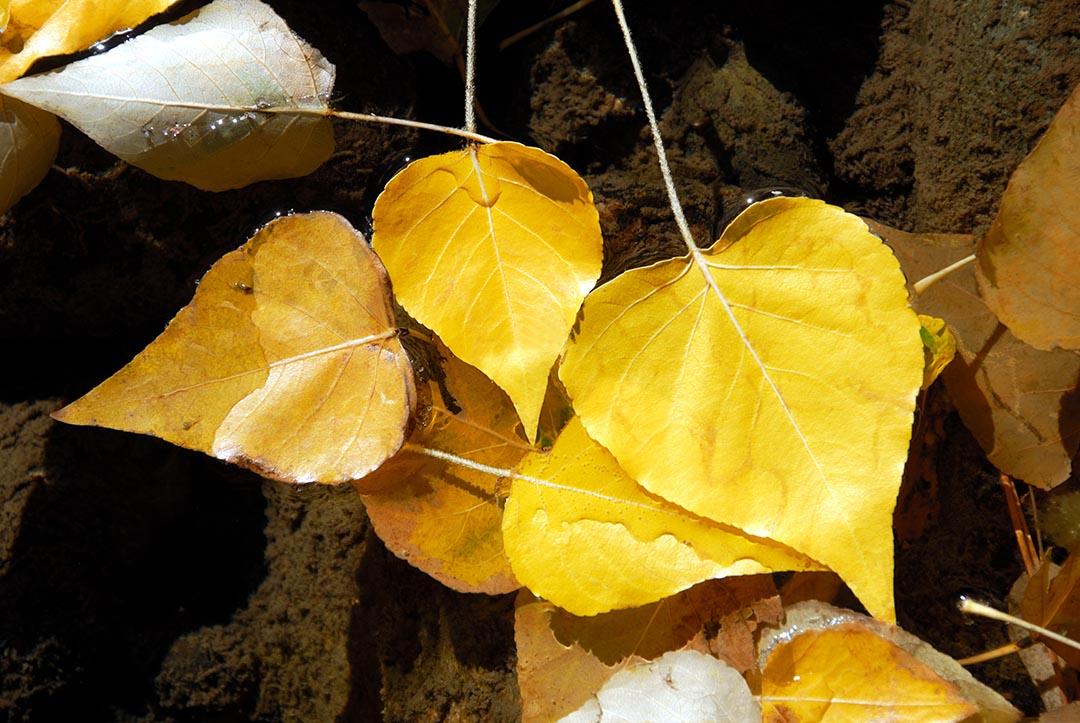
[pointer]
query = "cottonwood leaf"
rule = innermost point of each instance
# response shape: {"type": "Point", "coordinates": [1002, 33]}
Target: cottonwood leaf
{"type": "Point", "coordinates": [847, 673]}
{"type": "Point", "coordinates": [223, 97]}
{"type": "Point", "coordinates": [28, 141]}
{"type": "Point", "coordinates": [435, 26]}
{"type": "Point", "coordinates": [684, 686]}
{"type": "Point", "coordinates": [286, 360]}
{"type": "Point", "coordinates": [1020, 403]}
{"type": "Point", "coordinates": [580, 533]}
{"type": "Point", "coordinates": [817, 617]}
{"type": "Point", "coordinates": [1053, 602]}
{"type": "Point", "coordinates": [772, 390]}
{"type": "Point", "coordinates": [1027, 260]}
{"type": "Point", "coordinates": [563, 659]}
{"type": "Point", "coordinates": [443, 518]}
{"type": "Point", "coordinates": [35, 29]}
{"type": "Point", "coordinates": [939, 348]}
{"type": "Point", "coordinates": [493, 247]}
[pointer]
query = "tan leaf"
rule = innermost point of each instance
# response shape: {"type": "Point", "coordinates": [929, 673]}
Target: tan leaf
{"type": "Point", "coordinates": [28, 141]}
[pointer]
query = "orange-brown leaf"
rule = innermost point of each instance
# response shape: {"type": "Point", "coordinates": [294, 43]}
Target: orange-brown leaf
{"type": "Point", "coordinates": [1021, 403]}
{"type": "Point", "coordinates": [1028, 260]}
{"type": "Point", "coordinates": [443, 518]}
{"type": "Point", "coordinates": [1053, 602]}
{"type": "Point", "coordinates": [286, 360]}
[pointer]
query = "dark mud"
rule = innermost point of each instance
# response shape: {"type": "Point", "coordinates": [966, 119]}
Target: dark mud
{"type": "Point", "coordinates": [140, 582]}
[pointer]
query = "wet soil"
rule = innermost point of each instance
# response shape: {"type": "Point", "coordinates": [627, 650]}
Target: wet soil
{"type": "Point", "coordinates": [140, 582]}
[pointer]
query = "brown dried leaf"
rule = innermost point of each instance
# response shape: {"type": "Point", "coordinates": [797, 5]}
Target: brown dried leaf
{"type": "Point", "coordinates": [1028, 259]}
{"type": "Point", "coordinates": [1052, 601]}
{"type": "Point", "coordinates": [1021, 403]}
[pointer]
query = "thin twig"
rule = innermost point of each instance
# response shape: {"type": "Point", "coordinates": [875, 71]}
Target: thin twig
{"type": "Point", "coordinates": [470, 69]}
{"type": "Point", "coordinates": [968, 605]}
{"type": "Point", "coordinates": [1020, 526]}
{"type": "Point", "coordinates": [570, 10]}
{"type": "Point", "coordinates": [387, 120]}
{"type": "Point", "coordinates": [920, 286]}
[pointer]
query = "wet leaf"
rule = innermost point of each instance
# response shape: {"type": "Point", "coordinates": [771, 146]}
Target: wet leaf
{"type": "Point", "coordinates": [223, 97]}
{"type": "Point", "coordinates": [939, 348]}
{"type": "Point", "coordinates": [563, 659]}
{"type": "Point", "coordinates": [35, 29]}
{"type": "Point", "coordinates": [679, 687]}
{"type": "Point", "coordinates": [1053, 602]}
{"type": "Point", "coordinates": [443, 518]}
{"type": "Point", "coordinates": [434, 26]}
{"type": "Point", "coordinates": [847, 673]}
{"type": "Point", "coordinates": [286, 360]}
{"type": "Point", "coordinates": [1020, 403]}
{"type": "Point", "coordinates": [493, 247]}
{"type": "Point", "coordinates": [28, 141]}
{"type": "Point", "coordinates": [580, 533]}
{"type": "Point", "coordinates": [1027, 261]}
{"type": "Point", "coordinates": [774, 393]}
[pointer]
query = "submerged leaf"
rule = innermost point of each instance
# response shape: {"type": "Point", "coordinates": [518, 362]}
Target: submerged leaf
{"type": "Point", "coordinates": [1021, 404]}
{"type": "Point", "coordinates": [446, 519]}
{"type": "Point", "coordinates": [493, 247]}
{"type": "Point", "coordinates": [580, 533]}
{"type": "Point", "coordinates": [28, 141]}
{"type": "Point", "coordinates": [684, 686]}
{"type": "Point", "coordinates": [772, 390]}
{"type": "Point", "coordinates": [223, 97]}
{"type": "Point", "coordinates": [286, 360]}
{"type": "Point", "coordinates": [1027, 261]}
{"type": "Point", "coordinates": [436, 26]}
{"type": "Point", "coordinates": [36, 29]}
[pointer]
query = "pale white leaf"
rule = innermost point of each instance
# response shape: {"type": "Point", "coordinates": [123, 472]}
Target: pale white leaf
{"type": "Point", "coordinates": [28, 141]}
{"type": "Point", "coordinates": [684, 686]}
{"type": "Point", "coordinates": [221, 98]}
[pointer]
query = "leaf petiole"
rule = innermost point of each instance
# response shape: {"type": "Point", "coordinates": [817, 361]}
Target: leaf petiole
{"type": "Point", "coordinates": [920, 286]}
{"type": "Point", "coordinates": [967, 605]}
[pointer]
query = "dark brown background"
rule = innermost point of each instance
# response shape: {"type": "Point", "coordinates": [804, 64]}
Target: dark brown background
{"type": "Point", "coordinates": [140, 582]}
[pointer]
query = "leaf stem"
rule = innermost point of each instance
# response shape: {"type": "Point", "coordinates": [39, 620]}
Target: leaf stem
{"type": "Point", "coordinates": [470, 69]}
{"type": "Point", "coordinates": [658, 142]}
{"type": "Point", "coordinates": [920, 286]}
{"type": "Point", "coordinates": [472, 135]}
{"type": "Point", "coordinates": [968, 605]}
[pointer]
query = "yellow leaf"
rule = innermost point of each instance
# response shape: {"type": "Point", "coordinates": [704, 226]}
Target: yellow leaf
{"type": "Point", "coordinates": [286, 360]}
{"type": "Point", "coordinates": [28, 145]}
{"type": "Point", "coordinates": [847, 673]}
{"type": "Point", "coordinates": [1027, 260]}
{"type": "Point", "coordinates": [493, 247]}
{"type": "Point", "coordinates": [223, 97]}
{"type": "Point", "coordinates": [939, 347]}
{"type": "Point", "coordinates": [583, 535]}
{"type": "Point", "coordinates": [772, 390]}
{"type": "Point", "coordinates": [41, 28]}
{"type": "Point", "coordinates": [446, 519]}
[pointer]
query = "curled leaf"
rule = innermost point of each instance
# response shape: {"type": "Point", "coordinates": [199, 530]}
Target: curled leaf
{"type": "Point", "coordinates": [493, 247]}
{"type": "Point", "coordinates": [1027, 261]}
{"type": "Point", "coordinates": [223, 97]}
{"type": "Point", "coordinates": [35, 29]}
{"type": "Point", "coordinates": [580, 533]}
{"type": "Point", "coordinates": [939, 347]}
{"type": "Point", "coordinates": [769, 385]}
{"type": "Point", "coordinates": [28, 141]}
{"type": "Point", "coordinates": [286, 360]}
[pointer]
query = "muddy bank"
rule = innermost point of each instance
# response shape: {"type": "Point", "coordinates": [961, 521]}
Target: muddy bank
{"type": "Point", "coordinates": [140, 582]}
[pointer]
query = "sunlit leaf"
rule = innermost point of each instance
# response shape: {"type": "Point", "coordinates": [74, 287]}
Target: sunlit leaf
{"type": "Point", "coordinates": [939, 348]}
{"type": "Point", "coordinates": [35, 29]}
{"type": "Point", "coordinates": [1019, 402]}
{"type": "Point", "coordinates": [286, 360]}
{"type": "Point", "coordinates": [847, 673]}
{"type": "Point", "coordinates": [585, 536]}
{"type": "Point", "coordinates": [774, 393]}
{"type": "Point", "coordinates": [1027, 261]}
{"type": "Point", "coordinates": [28, 141]}
{"type": "Point", "coordinates": [493, 247]}
{"type": "Point", "coordinates": [447, 519]}
{"type": "Point", "coordinates": [223, 97]}
{"type": "Point", "coordinates": [562, 659]}
{"type": "Point", "coordinates": [679, 687]}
